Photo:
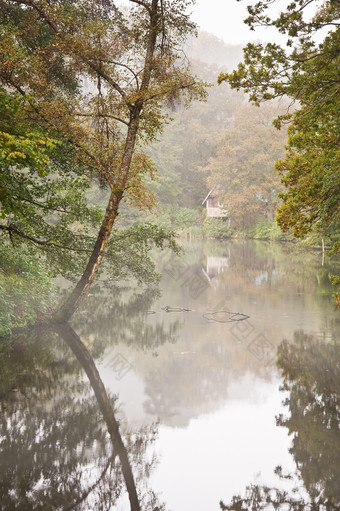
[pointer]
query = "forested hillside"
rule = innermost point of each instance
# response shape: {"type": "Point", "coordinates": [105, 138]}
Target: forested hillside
{"type": "Point", "coordinates": [222, 141]}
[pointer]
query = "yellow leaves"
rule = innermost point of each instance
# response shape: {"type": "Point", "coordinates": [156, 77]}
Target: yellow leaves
{"type": "Point", "coordinates": [16, 154]}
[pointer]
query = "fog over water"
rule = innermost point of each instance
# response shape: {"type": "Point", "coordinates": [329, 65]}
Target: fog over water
{"type": "Point", "coordinates": [198, 395]}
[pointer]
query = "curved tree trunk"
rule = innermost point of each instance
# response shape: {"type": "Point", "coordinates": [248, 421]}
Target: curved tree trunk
{"type": "Point", "coordinates": [73, 301]}
{"type": "Point", "coordinates": [79, 292]}
{"type": "Point", "coordinates": [84, 357]}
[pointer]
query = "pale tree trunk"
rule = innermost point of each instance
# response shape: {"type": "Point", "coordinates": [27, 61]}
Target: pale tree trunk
{"type": "Point", "coordinates": [323, 251]}
{"type": "Point", "coordinates": [84, 357]}
{"type": "Point", "coordinates": [80, 291]}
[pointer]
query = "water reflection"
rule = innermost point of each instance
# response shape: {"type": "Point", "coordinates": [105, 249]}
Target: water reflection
{"type": "Point", "coordinates": [311, 372]}
{"type": "Point", "coordinates": [213, 387]}
{"type": "Point", "coordinates": [55, 449]}
{"type": "Point", "coordinates": [112, 316]}
{"type": "Point", "coordinates": [216, 265]}
{"type": "Point", "coordinates": [311, 376]}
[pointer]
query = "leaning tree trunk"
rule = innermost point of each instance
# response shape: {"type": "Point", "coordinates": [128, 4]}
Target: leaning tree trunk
{"type": "Point", "coordinates": [80, 291]}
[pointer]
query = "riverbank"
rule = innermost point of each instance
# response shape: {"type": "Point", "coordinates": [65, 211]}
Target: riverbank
{"type": "Point", "coordinates": [28, 292]}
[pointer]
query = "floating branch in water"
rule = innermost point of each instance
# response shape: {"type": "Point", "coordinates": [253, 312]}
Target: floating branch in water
{"type": "Point", "coordinates": [175, 309]}
{"type": "Point", "coordinates": [225, 316]}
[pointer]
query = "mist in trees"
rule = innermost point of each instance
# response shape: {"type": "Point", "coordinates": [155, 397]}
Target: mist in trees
{"type": "Point", "coordinates": [83, 114]}
{"type": "Point", "coordinates": [133, 68]}
{"type": "Point", "coordinates": [190, 140]}
{"type": "Point", "coordinates": [113, 129]}
{"type": "Point", "coordinates": [242, 169]}
{"type": "Point", "coordinates": [304, 70]}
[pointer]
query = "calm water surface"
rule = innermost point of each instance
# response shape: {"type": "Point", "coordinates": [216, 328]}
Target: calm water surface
{"type": "Point", "coordinates": [230, 372]}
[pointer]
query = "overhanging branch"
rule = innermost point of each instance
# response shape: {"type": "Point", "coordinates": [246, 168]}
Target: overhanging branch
{"type": "Point", "coordinates": [37, 241]}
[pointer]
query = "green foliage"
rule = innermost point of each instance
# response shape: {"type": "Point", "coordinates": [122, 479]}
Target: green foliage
{"type": "Point", "coordinates": [43, 202]}
{"type": "Point", "coordinates": [217, 228]}
{"type": "Point", "coordinates": [182, 220]}
{"type": "Point", "coordinates": [49, 215]}
{"type": "Point", "coordinates": [260, 230]}
{"type": "Point", "coordinates": [310, 171]}
{"type": "Point", "coordinates": [335, 280]}
{"type": "Point", "coordinates": [267, 230]}
{"type": "Point", "coordinates": [306, 70]}
{"type": "Point", "coordinates": [25, 289]}
{"type": "Point", "coordinates": [128, 253]}
{"type": "Point", "coordinates": [186, 219]}
{"type": "Point", "coordinates": [97, 82]}
{"type": "Point", "coordinates": [20, 145]}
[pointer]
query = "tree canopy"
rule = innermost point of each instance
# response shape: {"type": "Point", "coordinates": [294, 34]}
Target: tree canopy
{"type": "Point", "coordinates": [306, 70]}
{"type": "Point", "coordinates": [90, 82]}
{"type": "Point", "coordinates": [243, 166]}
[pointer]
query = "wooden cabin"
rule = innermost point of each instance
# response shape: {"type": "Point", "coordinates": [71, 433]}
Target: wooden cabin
{"type": "Point", "coordinates": [214, 208]}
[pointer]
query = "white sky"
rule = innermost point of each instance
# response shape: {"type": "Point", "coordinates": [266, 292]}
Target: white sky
{"type": "Point", "coordinates": [224, 19]}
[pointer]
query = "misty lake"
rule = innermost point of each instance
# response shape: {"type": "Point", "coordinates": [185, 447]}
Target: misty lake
{"type": "Point", "coordinates": [227, 373]}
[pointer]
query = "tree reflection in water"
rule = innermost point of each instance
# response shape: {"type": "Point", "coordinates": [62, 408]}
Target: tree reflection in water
{"type": "Point", "coordinates": [311, 372]}
{"type": "Point", "coordinates": [55, 449]}
{"type": "Point", "coordinates": [112, 316]}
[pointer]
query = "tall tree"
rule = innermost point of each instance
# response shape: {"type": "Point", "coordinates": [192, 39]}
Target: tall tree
{"type": "Point", "coordinates": [307, 71]}
{"type": "Point", "coordinates": [244, 163]}
{"type": "Point", "coordinates": [97, 81]}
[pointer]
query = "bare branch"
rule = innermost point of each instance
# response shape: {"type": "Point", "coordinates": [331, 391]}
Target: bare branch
{"type": "Point", "coordinates": [107, 116]}
{"type": "Point", "coordinates": [181, 87]}
{"type": "Point", "coordinates": [37, 241]}
{"type": "Point", "coordinates": [305, 5]}
{"type": "Point", "coordinates": [127, 67]}
{"type": "Point", "coordinates": [142, 3]}
{"type": "Point", "coordinates": [43, 206]}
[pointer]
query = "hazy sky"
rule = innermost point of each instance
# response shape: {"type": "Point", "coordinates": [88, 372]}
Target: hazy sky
{"type": "Point", "coordinates": [224, 18]}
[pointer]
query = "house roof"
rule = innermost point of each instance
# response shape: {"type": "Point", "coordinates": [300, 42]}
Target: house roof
{"type": "Point", "coordinates": [207, 197]}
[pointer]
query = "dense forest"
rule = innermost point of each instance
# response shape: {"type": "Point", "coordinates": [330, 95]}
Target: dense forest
{"type": "Point", "coordinates": [117, 123]}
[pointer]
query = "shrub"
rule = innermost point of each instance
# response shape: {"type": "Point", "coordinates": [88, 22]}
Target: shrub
{"type": "Point", "coordinates": [217, 228]}
{"type": "Point", "coordinates": [25, 289]}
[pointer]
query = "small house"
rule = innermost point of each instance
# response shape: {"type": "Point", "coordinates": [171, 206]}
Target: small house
{"type": "Point", "coordinates": [214, 208]}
